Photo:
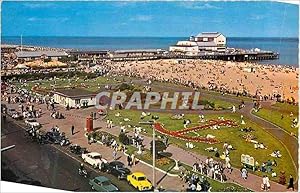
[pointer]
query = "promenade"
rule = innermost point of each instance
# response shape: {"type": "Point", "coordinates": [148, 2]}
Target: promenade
{"type": "Point", "coordinates": [77, 118]}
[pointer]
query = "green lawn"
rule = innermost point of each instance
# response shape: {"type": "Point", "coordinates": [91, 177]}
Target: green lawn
{"type": "Point", "coordinates": [285, 107]}
{"type": "Point", "coordinates": [230, 135]}
{"type": "Point", "coordinates": [213, 96]}
{"type": "Point", "coordinates": [274, 113]}
{"type": "Point", "coordinates": [89, 84]}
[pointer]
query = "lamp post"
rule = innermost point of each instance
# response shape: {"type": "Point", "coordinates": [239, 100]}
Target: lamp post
{"type": "Point", "coordinates": [153, 154]}
{"type": "Point", "coordinates": [153, 151]}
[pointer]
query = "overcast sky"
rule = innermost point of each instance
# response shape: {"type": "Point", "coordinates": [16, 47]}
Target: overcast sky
{"type": "Point", "coordinates": [159, 19]}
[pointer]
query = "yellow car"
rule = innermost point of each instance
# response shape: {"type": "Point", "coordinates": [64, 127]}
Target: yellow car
{"type": "Point", "coordinates": [139, 181]}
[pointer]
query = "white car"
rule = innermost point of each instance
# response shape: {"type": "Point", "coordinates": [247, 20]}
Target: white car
{"type": "Point", "coordinates": [32, 123]}
{"type": "Point", "coordinates": [17, 115]}
{"type": "Point", "coordinates": [95, 159]}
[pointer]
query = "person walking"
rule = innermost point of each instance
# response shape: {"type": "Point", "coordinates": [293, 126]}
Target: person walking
{"type": "Point", "coordinates": [72, 129]}
{"type": "Point", "coordinates": [291, 183]}
{"type": "Point", "coordinates": [244, 173]}
{"type": "Point", "coordinates": [264, 183]}
{"type": "Point", "coordinates": [115, 154]}
{"type": "Point", "coordinates": [133, 159]}
{"type": "Point", "coordinates": [129, 160]}
{"type": "Point", "coordinates": [282, 178]}
{"type": "Point", "coordinates": [268, 183]}
{"type": "Point", "coordinates": [227, 164]}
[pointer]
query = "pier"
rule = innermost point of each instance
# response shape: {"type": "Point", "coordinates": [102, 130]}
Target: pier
{"type": "Point", "coordinates": [153, 54]}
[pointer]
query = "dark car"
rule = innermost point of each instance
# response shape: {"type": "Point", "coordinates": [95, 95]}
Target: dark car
{"type": "Point", "coordinates": [118, 169]}
{"type": "Point", "coordinates": [102, 184]}
{"type": "Point", "coordinates": [76, 149]}
{"type": "Point", "coordinates": [10, 112]}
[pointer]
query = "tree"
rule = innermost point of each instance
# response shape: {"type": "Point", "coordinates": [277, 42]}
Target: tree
{"type": "Point", "coordinates": [159, 147]}
{"type": "Point", "coordinates": [123, 138]}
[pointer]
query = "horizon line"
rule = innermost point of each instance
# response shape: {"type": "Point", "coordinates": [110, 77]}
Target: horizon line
{"type": "Point", "coordinates": [141, 36]}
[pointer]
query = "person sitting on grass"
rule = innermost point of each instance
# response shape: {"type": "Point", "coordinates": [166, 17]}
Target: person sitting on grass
{"type": "Point", "coordinates": [263, 167]}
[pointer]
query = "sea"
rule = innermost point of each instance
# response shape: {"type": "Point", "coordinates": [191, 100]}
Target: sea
{"type": "Point", "coordinates": [286, 47]}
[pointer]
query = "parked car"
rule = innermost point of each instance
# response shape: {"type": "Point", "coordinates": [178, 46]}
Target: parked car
{"type": "Point", "coordinates": [10, 112]}
{"type": "Point", "coordinates": [56, 137]}
{"type": "Point", "coordinates": [76, 149]}
{"type": "Point", "coordinates": [95, 159]}
{"type": "Point", "coordinates": [17, 116]}
{"type": "Point", "coordinates": [3, 108]}
{"type": "Point", "coordinates": [102, 184]}
{"type": "Point", "coordinates": [118, 169]}
{"type": "Point", "coordinates": [139, 181]}
{"type": "Point", "coordinates": [32, 123]}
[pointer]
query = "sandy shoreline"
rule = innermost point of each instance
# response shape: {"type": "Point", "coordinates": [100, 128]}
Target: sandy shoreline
{"type": "Point", "coordinates": [263, 80]}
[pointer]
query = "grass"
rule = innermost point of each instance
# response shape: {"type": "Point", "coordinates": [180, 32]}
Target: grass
{"type": "Point", "coordinates": [90, 84]}
{"type": "Point", "coordinates": [219, 103]}
{"type": "Point", "coordinates": [163, 163]}
{"type": "Point", "coordinates": [274, 113]}
{"type": "Point", "coordinates": [94, 85]}
{"type": "Point", "coordinates": [213, 96]}
{"type": "Point", "coordinates": [230, 135]}
{"type": "Point", "coordinates": [285, 107]}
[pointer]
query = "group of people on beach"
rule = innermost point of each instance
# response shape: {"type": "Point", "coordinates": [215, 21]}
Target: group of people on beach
{"type": "Point", "coordinates": [266, 82]}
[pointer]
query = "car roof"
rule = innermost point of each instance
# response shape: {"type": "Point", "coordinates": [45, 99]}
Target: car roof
{"type": "Point", "coordinates": [139, 174]}
{"type": "Point", "coordinates": [116, 163]}
{"type": "Point", "coordinates": [102, 178]}
{"type": "Point", "coordinates": [94, 154]}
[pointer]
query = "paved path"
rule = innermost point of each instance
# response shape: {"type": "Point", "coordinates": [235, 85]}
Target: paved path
{"type": "Point", "coordinates": [77, 117]}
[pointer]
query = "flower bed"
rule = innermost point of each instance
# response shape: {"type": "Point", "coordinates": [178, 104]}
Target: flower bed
{"type": "Point", "coordinates": [180, 134]}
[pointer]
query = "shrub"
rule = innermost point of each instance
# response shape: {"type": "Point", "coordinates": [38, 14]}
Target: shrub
{"type": "Point", "coordinates": [123, 138]}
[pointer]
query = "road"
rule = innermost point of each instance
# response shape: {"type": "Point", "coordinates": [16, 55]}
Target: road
{"type": "Point", "coordinates": [45, 165]}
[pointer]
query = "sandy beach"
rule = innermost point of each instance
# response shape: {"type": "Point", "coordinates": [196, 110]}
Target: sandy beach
{"type": "Point", "coordinates": [265, 81]}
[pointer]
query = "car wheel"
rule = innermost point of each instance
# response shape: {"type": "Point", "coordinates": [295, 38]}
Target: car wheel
{"type": "Point", "coordinates": [95, 166]}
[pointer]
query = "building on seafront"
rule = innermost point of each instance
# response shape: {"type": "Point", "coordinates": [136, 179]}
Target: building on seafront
{"type": "Point", "coordinates": [203, 42]}
{"type": "Point", "coordinates": [74, 98]}
{"type": "Point", "coordinates": [187, 47]}
{"type": "Point", "coordinates": [37, 55]}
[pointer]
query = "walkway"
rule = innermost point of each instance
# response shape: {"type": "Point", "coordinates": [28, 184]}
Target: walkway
{"type": "Point", "coordinates": [76, 117]}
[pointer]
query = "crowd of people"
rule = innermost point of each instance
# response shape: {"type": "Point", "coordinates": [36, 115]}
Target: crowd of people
{"type": "Point", "coordinates": [217, 76]}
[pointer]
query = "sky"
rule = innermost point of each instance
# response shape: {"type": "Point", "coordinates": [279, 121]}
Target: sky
{"type": "Point", "coordinates": [149, 19]}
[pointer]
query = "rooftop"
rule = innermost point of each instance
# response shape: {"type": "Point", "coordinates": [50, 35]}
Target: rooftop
{"type": "Point", "coordinates": [88, 52]}
{"type": "Point", "coordinates": [208, 35]}
{"type": "Point", "coordinates": [74, 93]}
{"type": "Point", "coordinates": [138, 51]}
{"type": "Point", "coordinates": [28, 54]}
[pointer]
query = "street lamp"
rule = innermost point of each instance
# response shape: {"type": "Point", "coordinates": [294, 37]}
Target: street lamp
{"type": "Point", "coordinates": [153, 159]}
{"type": "Point", "coordinates": [153, 151]}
